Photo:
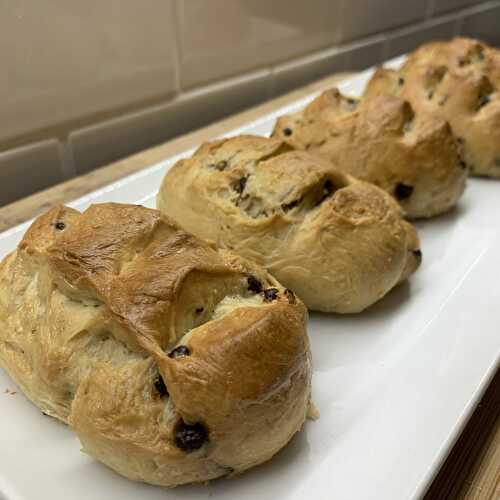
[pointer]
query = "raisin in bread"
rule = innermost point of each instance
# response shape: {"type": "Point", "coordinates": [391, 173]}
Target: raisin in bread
{"type": "Point", "coordinates": [413, 156]}
{"type": "Point", "coordinates": [340, 243]}
{"type": "Point", "coordinates": [172, 361]}
{"type": "Point", "coordinates": [458, 81]}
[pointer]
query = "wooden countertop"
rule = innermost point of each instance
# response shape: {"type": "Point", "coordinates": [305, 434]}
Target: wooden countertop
{"type": "Point", "coordinates": [471, 471]}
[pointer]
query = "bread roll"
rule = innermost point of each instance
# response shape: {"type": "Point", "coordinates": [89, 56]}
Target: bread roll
{"type": "Point", "coordinates": [413, 156]}
{"type": "Point", "coordinates": [457, 81]}
{"type": "Point", "coordinates": [339, 243]}
{"type": "Point", "coordinates": [172, 361]}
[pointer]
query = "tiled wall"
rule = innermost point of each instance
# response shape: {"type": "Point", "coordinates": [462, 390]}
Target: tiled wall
{"type": "Point", "coordinates": [86, 83]}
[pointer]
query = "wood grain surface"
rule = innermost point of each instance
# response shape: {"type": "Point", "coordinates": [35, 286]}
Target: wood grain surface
{"type": "Point", "coordinates": [471, 471]}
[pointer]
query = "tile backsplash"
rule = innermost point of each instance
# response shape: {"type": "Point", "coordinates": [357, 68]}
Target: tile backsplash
{"type": "Point", "coordinates": [84, 84]}
{"type": "Point", "coordinates": [223, 38]}
{"type": "Point", "coordinates": [66, 60]}
{"type": "Point", "coordinates": [29, 168]}
{"type": "Point", "coordinates": [366, 17]}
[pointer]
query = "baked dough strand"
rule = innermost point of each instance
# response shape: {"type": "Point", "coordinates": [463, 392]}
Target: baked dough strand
{"type": "Point", "coordinates": [173, 362]}
{"type": "Point", "coordinates": [339, 243]}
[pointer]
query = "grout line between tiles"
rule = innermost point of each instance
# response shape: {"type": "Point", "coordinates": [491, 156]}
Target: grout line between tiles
{"type": "Point", "coordinates": [271, 84]}
{"type": "Point", "coordinates": [459, 24]}
{"type": "Point", "coordinates": [67, 160]}
{"type": "Point", "coordinates": [385, 48]}
{"type": "Point", "coordinates": [341, 23]}
{"type": "Point", "coordinates": [176, 23]}
{"type": "Point", "coordinates": [428, 23]}
{"type": "Point", "coordinates": [431, 7]}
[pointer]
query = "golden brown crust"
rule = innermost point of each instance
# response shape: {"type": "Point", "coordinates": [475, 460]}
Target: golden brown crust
{"type": "Point", "coordinates": [341, 244]}
{"type": "Point", "coordinates": [92, 304]}
{"type": "Point", "coordinates": [412, 156]}
{"type": "Point", "coordinates": [458, 81]}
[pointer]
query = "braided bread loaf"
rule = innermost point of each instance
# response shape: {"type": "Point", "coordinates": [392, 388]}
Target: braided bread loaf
{"type": "Point", "coordinates": [172, 361]}
{"type": "Point", "coordinates": [458, 81]}
{"type": "Point", "coordinates": [412, 156]}
{"type": "Point", "coordinates": [340, 243]}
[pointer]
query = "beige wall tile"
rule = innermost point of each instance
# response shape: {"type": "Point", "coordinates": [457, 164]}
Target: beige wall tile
{"type": "Point", "coordinates": [96, 146]}
{"type": "Point", "coordinates": [406, 40]}
{"type": "Point", "coordinates": [63, 60]}
{"type": "Point", "coordinates": [365, 17]}
{"type": "Point", "coordinates": [441, 6]}
{"type": "Point", "coordinates": [220, 38]}
{"type": "Point", "coordinates": [484, 24]}
{"type": "Point", "coordinates": [474, 2]}
{"type": "Point", "coordinates": [31, 168]}
{"type": "Point", "coordinates": [307, 69]}
{"type": "Point", "coordinates": [366, 54]}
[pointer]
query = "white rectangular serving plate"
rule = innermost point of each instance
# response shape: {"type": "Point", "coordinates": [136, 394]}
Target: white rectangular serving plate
{"type": "Point", "coordinates": [395, 385]}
